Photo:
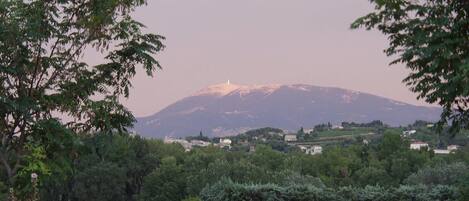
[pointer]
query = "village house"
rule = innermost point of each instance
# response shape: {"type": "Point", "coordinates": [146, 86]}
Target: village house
{"type": "Point", "coordinates": [252, 148]}
{"type": "Point", "coordinates": [290, 138]}
{"type": "Point", "coordinates": [312, 150]}
{"type": "Point", "coordinates": [418, 145]}
{"type": "Point", "coordinates": [225, 143]}
{"type": "Point", "coordinates": [184, 143]}
{"type": "Point", "coordinates": [453, 148]}
{"type": "Point", "coordinates": [199, 143]}
{"type": "Point", "coordinates": [441, 151]}
{"type": "Point", "coordinates": [365, 142]}
{"type": "Point", "coordinates": [408, 133]}
{"type": "Point", "coordinates": [337, 127]}
{"type": "Point", "coordinates": [448, 150]}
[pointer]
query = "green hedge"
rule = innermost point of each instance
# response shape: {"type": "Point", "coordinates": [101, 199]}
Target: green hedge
{"type": "Point", "coordinates": [227, 190]}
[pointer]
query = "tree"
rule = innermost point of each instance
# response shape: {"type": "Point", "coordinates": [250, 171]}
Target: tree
{"type": "Point", "coordinates": [165, 183]}
{"type": "Point", "coordinates": [442, 174]}
{"type": "Point", "coordinates": [391, 144]}
{"type": "Point", "coordinates": [431, 38]}
{"type": "Point", "coordinates": [44, 73]}
{"type": "Point", "coordinates": [104, 182]}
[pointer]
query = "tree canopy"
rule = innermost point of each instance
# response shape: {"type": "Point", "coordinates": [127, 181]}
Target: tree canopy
{"type": "Point", "coordinates": [45, 75]}
{"type": "Point", "coordinates": [431, 37]}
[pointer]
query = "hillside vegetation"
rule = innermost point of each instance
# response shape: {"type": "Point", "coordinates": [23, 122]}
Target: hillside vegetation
{"type": "Point", "coordinates": [120, 167]}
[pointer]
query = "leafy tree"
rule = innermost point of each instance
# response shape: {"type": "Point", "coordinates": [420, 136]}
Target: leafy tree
{"type": "Point", "coordinates": [267, 158]}
{"type": "Point", "coordinates": [103, 181]}
{"type": "Point", "coordinates": [166, 183]}
{"type": "Point", "coordinates": [43, 71]}
{"type": "Point", "coordinates": [390, 144]}
{"type": "Point", "coordinates": [442, 174]}
{"type": "Point", "coordinates": [337, 166]}
{"type": "Point", "coordinates": [431, 38]}
{"type": "Point", "coordinates": [372, 176]}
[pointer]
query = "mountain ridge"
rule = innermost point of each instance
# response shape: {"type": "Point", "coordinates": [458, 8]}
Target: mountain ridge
{"type": "Point", "coordinates": [227, 109]}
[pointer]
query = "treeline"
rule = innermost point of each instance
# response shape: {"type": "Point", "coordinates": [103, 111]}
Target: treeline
{"type": "Point", "coordinates": [126, 168]}
{"type": "Point", "coordinates": [227, 190]}
{"type": "Point", "coordinates": [372, 124]}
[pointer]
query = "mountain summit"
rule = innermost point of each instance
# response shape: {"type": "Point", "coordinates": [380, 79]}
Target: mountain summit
{"type": "Point", "coordinates": [227, 109]}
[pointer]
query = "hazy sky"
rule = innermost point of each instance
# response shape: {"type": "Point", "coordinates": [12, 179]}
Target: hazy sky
{"type": "Point", "coordinates": [263, 42]}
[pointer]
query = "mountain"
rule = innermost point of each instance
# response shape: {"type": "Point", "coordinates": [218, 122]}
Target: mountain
{"type": "Point", "coordinates": [227, 109]}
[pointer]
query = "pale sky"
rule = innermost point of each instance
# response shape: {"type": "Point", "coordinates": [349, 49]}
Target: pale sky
{"type": "Point", "coordinates": [263, 42]}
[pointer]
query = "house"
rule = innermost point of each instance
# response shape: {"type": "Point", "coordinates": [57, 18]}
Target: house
{"type": "Point", "coordinates": [290, 137]}
{"type": "Point", "coordinates": [312, 150]}
{"type": "Point", "coordinates": [409, 132]}
{"type": "Point", "coordinates": [337, 127]}
{"type": "Point", "coordinates": [184, 143]}
{"type": "Point", "coordinates": [316, 150]}
{"type": "Point", "coordinates": [441, 151]}
{"type": "Point", "coordinates": [448, 150]}
{"type": "Point", "coordinates": [366, 142]}
{"type": "Point", "coordinates": [309, 130]}
{"type": "Point", "coordinates": [453, 148]}
{"type": "Point", "coordinates": [252, 148]}
{"type": "Point", "coordinates": [225, 143]}
{"type": "Point", "coordinates": [133, 134]}
{"type": "Point", "coordinates": [199, 143]}
{"type": "Point", "coordinates": [418, 145]}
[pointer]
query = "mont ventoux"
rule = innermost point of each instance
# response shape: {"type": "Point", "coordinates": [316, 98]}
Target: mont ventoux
{"type": "Point", "coordinates": [229, 109]}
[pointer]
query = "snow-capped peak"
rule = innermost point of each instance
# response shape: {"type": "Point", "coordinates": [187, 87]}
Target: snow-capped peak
{"type": "Point", "coordinates": [218, 89]}
{"type": "Point", "coordinates": [227, 88]}
{"type": "Point", "coordinates": [266, 89]}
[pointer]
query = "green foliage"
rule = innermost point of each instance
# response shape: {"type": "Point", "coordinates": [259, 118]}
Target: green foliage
{"type": "Point", "coordinates": [227, 190]}
{"type": "Point", "coordinates": [102, 181]}
{"type": "Point", "coordinates": [442, 174]}
{"type": "Point", "coordinates": [372, 124]}
{"type": "Point", "coordinates": [430, 38]}
{"type": "Point", "coordinates": [44, 75]}
{"type": "Point", "coordinates": [372, 176]}
{"type": "Point", "coordinates": [192, 199]}
{"type": "Point", "coordinates": [3, 191]}
{"type": "Point", "coordinates": [121, 167]}
{"type": "Point", "coordinates": [165, 183]}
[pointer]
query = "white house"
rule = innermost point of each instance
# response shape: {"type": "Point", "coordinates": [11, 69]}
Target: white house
{"type": "Point", "coordinates": [409, 132]}
{"type": "Point", "coordinates": [365, 142]}
{"type": "Point", "coordinates": [418, 145]}
{"type": "Point", "coordinates": [184, 143]}
{"type": "Point", "coordinates": [316, 150]}
{"type": "Point", "coordinates": [290, 137]}
{"type": "Point", "coordinates": [226, 141]}
{"type": "Point", "coordinates": [200, 143]}
{"type": "Point", "coordinates": [313, 150]}
{"type": "Point", "coordinates": [441, 151]}
{"type": "Point", "coordinates": [337, 127]}
{"type": "Point", "coordinates": [448, 150]}
{"type": "Point", "coordinates": [452, 148]}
